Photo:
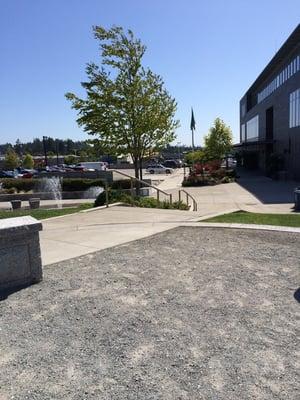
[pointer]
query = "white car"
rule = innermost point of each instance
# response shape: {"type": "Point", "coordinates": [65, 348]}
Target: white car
{"type": "Point", "coordinates": [159, 169]}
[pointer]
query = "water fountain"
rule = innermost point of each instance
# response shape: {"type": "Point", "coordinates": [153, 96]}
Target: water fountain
{"type": "Point", "coordinates": [93, 192]}
{"type": "Point", "coordinates": [53, 185]}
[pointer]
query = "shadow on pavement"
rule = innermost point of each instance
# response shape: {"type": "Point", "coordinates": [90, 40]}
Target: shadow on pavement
{"type": "Point", "coordinates": [297, 295]}
{"type": "Point", "coordinates": [4, 293]}
{"type": "Point", "coordinates": [266, 190]}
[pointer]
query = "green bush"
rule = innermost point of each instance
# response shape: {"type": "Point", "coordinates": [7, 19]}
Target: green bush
{"type": "Point", "coordinates": [21, 185]}
{"type": "Point", "coordinates": [121, 184]}
{"type": "Point", "coordinates": [144, 202]}
{"type": "Point", "coordinates": [113, 197]}
{"type": "Point", "coordinates": [179, 205]}
{"type": "Point", "coordinates": [79, 184]}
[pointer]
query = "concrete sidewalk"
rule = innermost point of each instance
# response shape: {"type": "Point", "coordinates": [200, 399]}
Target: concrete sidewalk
{"type": "Point", "coordinates": [73, 235]}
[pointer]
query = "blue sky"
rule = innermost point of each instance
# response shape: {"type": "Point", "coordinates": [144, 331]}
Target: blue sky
{"type": "Point", "coordinates": [208, 53]}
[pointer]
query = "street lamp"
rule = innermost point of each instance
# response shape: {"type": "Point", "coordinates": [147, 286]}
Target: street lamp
{"type": "Point", "coordinates": [45, 149]}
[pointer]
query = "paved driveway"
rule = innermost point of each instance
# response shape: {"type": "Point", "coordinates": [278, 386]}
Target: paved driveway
{"type": "Point", "coordinates": [189, 314]}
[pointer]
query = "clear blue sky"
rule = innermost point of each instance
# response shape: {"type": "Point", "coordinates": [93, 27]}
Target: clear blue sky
{"type": "Point", "coordinates": [208, 53]}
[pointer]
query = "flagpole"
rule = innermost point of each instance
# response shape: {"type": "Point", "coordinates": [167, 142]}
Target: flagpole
{"type": "Point", "coordinates": [193, 143]}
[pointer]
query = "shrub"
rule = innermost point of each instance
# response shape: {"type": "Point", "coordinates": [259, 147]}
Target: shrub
{"type": "Point", "coordinates": [218, 174]}
{"type": "Point", "coordinates": [226, 179]}
{"type": "Point", "coordinates": [113, 196]}
{"type": "Point", "coordinates": [79, 184]}
{"type": "Point", "coordinates": [179, 205]}
{"type": "Point", "coordinates": [121, 184]}
{"type": "Point", "coordinates": [19, 184]}
{"type": "Point", "coordinates": [144, 202]}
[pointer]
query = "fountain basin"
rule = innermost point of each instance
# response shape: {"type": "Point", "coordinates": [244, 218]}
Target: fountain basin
{"type": "Point", "coordinates": [16, 204]}
{"type": "Point", "coordinates": [34, 202]}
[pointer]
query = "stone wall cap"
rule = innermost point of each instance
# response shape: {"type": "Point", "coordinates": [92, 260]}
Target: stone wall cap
{"type": "Point", "coordinates": [19, 225]}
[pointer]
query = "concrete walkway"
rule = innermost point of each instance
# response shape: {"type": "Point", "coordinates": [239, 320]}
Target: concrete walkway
{"type": "Point", "coordinates": [73, 235]}
{"type": "Point", "coordinates": [252, 192]}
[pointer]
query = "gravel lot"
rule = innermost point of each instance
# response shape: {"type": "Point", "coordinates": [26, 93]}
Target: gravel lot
{"type": "Point", "coordinates": [192, 313]}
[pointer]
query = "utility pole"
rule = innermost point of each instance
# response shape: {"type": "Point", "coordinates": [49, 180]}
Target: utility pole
{"type": "Point", "coordinates": [56, 148]}
{"type": "Point", "coordinates": [45, 150]}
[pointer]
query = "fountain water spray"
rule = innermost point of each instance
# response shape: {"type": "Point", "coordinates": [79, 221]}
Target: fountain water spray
{"type": "Point", "coordinates": [53, 185]}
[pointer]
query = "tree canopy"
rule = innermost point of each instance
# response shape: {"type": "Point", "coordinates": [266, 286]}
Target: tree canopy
{"type": "Point", "coordinates": [28, 161]}
{"type": "Point", "coordinates": [11, 160]}
{"type": "Point", "coordinates": [126, 106]}
{"type": "Point", "coordinates": [218, 142]}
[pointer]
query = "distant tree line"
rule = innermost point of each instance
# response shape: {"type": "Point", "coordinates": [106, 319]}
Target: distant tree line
{"type": "Point", "coordinates": [53, 146]}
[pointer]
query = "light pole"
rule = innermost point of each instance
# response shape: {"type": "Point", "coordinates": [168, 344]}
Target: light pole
{"type": "Point", "coordinates": [45, 150]}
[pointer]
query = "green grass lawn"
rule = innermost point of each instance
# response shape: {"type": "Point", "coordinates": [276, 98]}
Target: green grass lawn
{"type": "Point", "coordinates": [244, 217]}
{"type": "Point", "coordinates": [41, 213]}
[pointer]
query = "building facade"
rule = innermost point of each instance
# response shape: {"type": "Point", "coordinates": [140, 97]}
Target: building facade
{"type": "Point", "coordinates": [270, 114]}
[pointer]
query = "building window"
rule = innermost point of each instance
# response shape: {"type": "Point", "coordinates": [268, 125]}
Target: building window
{"type": "Point", "coordinates": [243, 133]}
{"type": "Point", "coordinates": [253, 129]}
{"type": "Point", "coordinates": [243, 109]}
{"type": "Point", "coordinates": [295, 109]}
{"type": "Point", "coordinates": [284, 75]}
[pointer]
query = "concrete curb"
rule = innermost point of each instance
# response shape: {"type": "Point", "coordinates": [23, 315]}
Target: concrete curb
{"type": "Point", "coordinates": [243, 226]}
{"type": "Point", "coordinates": [102, 207]}
{"type": "Point", "coordinates": [84, 211]}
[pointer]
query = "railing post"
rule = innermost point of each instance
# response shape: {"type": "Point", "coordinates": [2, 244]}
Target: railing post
{"type": "Point", "coordinates": [131, 190]}
{"type": "Point", "coordinates": [179, 195]}
{"type": "Point", "coordinates": [106, 194]}
{"type": "Point", "coordinates": [187, 198]}
{"type": "Point", "coordinates": [157, 194]}
{"type": "Point", "coordinates": [170, 198]}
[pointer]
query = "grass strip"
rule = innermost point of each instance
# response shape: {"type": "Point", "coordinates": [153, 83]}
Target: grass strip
{"type": "Point", "coordinates": [244, 217]}
{"type": "Point", "coordinates": [41, 213]}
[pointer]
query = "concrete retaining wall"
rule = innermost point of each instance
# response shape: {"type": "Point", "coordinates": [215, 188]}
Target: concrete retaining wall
{"type": "Point", "coordinates": [20, 254]}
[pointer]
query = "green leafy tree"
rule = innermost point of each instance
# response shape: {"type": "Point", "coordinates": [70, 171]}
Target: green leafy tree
{"type": "Point", "coordinates": [28, 161]}
{"type": "Point", "coordinates": [11, 160]}
{"type": "Point", "coordinates": [195, 157]}
{"type": "Point", "coordinates": [218, 143]}
{"type": "Point", "coordinates": [126, 106]}
{"type": "Point", "coordinates": [70, 160]}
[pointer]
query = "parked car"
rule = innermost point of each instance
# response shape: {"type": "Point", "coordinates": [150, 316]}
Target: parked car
{"type": "Point", "coordinates": [171, 164]}
{"type": "Point", "coordinates": [9, 174]}
{"type": "Point", "coordinates": [6, 174]}
{"type": "Point", "coordinates": [159, 169]}
{"type": "Point", "coordinates": [93, 165]}
{"type": "Point", "coordinates": [231, 163]}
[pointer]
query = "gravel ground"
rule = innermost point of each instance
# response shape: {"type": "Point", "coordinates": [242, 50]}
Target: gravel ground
{"type": "Point", "coordinates": [192, 313]}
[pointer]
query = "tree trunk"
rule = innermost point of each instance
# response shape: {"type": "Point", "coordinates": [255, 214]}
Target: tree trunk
{"type": "Point", "coordinates": [136, 173]}
{"type": "Point", "coordinates": [141, 168]}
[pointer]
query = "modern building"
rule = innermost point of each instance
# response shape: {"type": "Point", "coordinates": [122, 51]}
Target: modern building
{"type": "Point", "coordinates": [270, 115]}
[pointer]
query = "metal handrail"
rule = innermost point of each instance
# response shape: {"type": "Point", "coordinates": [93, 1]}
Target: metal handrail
{"type": "Point", "coordinates": [188, 195]}
{"type": "Point", "coordinates": [133, 178]}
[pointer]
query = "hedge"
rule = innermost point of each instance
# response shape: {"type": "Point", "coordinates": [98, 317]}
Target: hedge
{"type": "Point", "coordinates": [68, 184]}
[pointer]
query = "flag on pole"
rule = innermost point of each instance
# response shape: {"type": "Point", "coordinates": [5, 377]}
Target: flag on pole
{"type": "Point", "coordinates": [193, 122]}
